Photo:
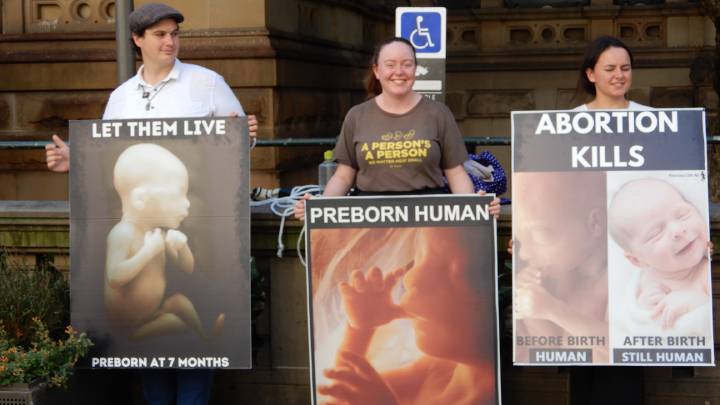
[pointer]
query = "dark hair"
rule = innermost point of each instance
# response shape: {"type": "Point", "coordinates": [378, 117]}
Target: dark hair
{"type": "Point", "coordinates": [372, 85]}
{"type": "Point", "coordinates": [592, 54]}
{"type": "Point", "coordinates": [141, 34]}
{"type": "Point", "coordinates": [134, 46]}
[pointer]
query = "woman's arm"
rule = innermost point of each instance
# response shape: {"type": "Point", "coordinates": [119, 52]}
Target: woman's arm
{"type": "Point", "coordinates": [458, 180]}
{"type": "Point", "coordinates": [340, 182]}
{"type": "Point", "coordinates": [460, 183]}
{"type": "Point", "coordinates": [338, 185]}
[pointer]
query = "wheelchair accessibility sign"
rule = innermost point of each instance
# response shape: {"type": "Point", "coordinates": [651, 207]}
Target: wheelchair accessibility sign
{"type": "Point", "coordinates": [425, 28]}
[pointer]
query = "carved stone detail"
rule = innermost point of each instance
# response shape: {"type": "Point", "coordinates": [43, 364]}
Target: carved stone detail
{"type": "Point", "coordinates": [641, 33]}
{"type": "Point", "coordinates": [670, 97]}
{"type": "Point", "coordinates": [499, 103]}
{"type": "Point", "coordinates": [69, 15]}
{"type": "Point", "coordinates": [547, 34]}
{"type": "Point", "coordinates": [463, 36]}
{"type": "Point", "coordinates": [308, 18]}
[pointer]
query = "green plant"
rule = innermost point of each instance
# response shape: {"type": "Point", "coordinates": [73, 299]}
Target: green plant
{"type": "Point", "coordinates": [26, 293]}
{"type": "Point", "coordinates": [35, 344]}
{"type": "Point", "coordinates": [46, 360]}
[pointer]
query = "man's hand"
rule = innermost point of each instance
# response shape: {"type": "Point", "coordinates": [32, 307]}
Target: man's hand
{"type": "Point", "coordinates": [252, 127]}
{"type": "Point", "coordinates": [57, 155]}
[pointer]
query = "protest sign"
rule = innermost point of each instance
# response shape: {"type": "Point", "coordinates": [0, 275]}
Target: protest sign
{"type": "Point", "coordinates": [611, 238]}
{"type": "Point", "coordinates": [402, 299]}
{"type": "Point", "coordinates": [160, 244]}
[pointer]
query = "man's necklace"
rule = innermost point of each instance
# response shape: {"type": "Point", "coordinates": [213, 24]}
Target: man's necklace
{"type": "Point", "coordinates": [150, 97]}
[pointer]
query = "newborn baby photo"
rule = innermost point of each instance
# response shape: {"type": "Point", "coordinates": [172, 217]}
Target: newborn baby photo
{"type": "Point", "coordinates": [660, 248]}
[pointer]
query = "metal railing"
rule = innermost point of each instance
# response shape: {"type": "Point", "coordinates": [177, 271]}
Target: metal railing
{"type": "Point", "coordinates": [298, 142]}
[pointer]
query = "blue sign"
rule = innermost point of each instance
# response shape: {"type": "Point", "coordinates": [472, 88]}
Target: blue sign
{"type": "Point", "coordinates": [423, 29]}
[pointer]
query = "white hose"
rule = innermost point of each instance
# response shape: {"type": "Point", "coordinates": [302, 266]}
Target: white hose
{"type": "Point", "coordinates": [283, 207]}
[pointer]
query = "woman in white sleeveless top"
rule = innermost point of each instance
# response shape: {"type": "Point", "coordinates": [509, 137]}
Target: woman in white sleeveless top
{"type": "Point", "coordinates": [606, 74]}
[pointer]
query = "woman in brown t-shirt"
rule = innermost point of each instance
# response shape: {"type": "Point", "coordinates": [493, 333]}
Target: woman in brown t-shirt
{"type": "Point", "coordinates": [399, 142]}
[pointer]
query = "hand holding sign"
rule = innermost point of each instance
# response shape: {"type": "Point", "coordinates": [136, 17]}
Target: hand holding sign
{"type": "Point", "coordinates": [57, 155]}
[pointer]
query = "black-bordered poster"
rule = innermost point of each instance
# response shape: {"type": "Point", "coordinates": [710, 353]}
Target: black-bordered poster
{"type": "Point", "coordinates": [160, 242]}
{"type": "Point", "coordinates": [401, 298]}
{"type": "Point", "coordinates": [611, 238]}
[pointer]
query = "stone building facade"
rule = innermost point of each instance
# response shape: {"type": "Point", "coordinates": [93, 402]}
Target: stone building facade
{"type": "Point", "coordinates": [298, 66]}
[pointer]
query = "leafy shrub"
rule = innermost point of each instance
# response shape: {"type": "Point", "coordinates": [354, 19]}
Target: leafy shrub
{"type": "Point", "coordinates": [46, 360]}
{"type": "Point", "coordinates": [35, 344]}
{"type": "Point", "coordinates": [26, 293]}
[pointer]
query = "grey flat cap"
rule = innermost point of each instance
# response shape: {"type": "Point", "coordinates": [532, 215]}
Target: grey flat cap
{"type": "Point", "coordinates": [148, 14]}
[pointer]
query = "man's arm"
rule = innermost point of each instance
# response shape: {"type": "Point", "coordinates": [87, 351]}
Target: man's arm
{"type": "Point", "coordinates": [57, 154]}
{"type": "Point", "coordinates": [225, 104]}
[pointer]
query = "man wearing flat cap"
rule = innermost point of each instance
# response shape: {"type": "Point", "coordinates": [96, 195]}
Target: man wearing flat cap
{"type": "Point", "coordinates": [164, 87]}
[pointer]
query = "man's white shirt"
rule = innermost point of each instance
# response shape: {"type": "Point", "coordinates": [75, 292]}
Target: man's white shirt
{"type": "Point", "coordinates": [187, 91]}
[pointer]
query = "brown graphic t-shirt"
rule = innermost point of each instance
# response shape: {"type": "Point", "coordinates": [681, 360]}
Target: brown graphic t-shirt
{"type": "Point", "coordinates": [400, 152]}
